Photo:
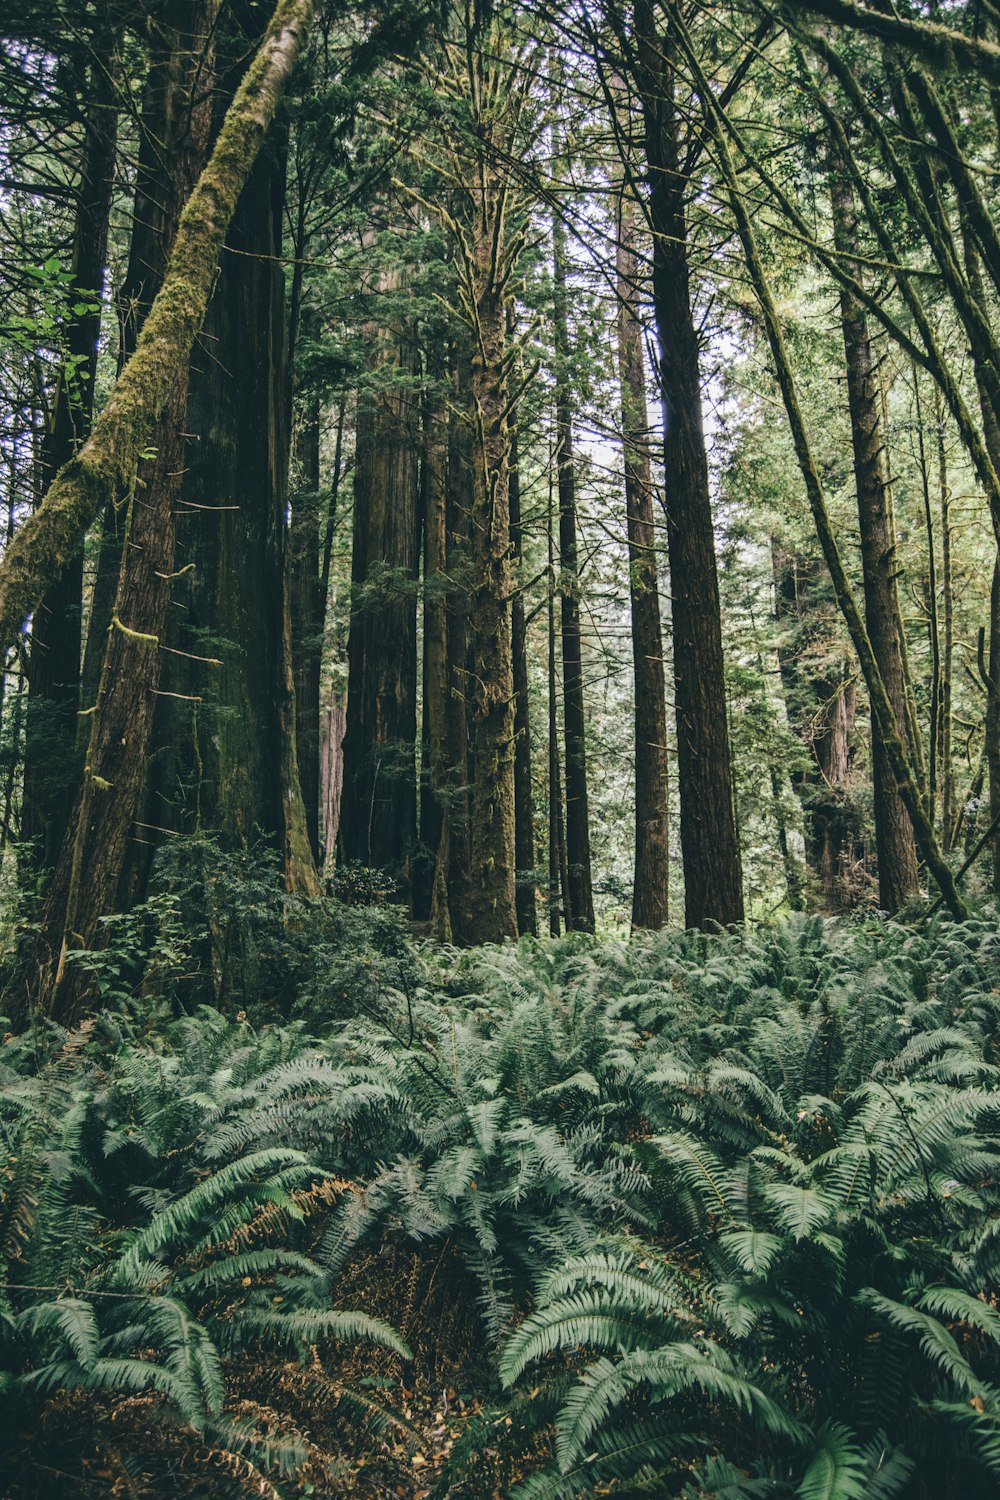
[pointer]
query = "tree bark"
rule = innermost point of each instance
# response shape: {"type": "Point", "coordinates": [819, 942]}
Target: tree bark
{"type": "Point", "coordinates": [524, 816]}
{"type": "Point", "coordinates": [713, 886]}
{"type": "Point", "coordinates": [650, 907]}
{"type": "Point", "coordinates": [51, 766]}
{"type": "Point", "coordinates": [822, 707]}
{"type": "Point", "coordinates": [433, 782]}
{"type": "Point", "coordinates": [896, 850]}
{"type": "Point", "coordinates": [489, 685]}
{"type": "Point", "coordinates": [581, 895]}
{"type": "Point", "coordinates": [379, 817]}
{"type": "Point", "coordinates": [87, 878]}
{"type": "Point", "coordinates": [90, 866]}
{"type": "Point", "coordinates": [307, 602]}
{"type": "Point", "coordinates": [108, 461]}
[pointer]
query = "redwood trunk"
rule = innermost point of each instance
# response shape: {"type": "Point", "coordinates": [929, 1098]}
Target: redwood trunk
{"type": "Point", "coordinates": [378, 818]}
{"type": "Point", "coordinates": [581, 895]}
{"type": "Point", "coordinates": [652, 846]}
{"type": "Point", "coordinates": [524, 818]}
{"type": "Point", "coordinates": [489, 684]}
{"type": "Point", "coordinates": [713, 886]}
{"type": "Point", "coordinates": [895, 845]}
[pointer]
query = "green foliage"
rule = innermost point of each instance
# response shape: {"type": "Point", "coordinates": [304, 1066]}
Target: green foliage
{"type": "Point", "coordinates": [727, 1206]}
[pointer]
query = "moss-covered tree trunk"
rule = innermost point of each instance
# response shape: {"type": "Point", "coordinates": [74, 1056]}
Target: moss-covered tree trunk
{"type": "Point", "coordinates": [90, 866]}
{"type": "Point", "coordinates": [652, 844]}
{"type": "Point", "coordinates": [107, 463]}
{"type": "Point", "coordinates": [223, 760]}
{"type": "Point", "coordinates": [489, 684]}
{"type": "Point", "coordinates": [119, 721]}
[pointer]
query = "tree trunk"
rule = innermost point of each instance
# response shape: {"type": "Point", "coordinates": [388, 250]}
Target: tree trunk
{"type": "Point", "coordinates": [51, 766]}
{"type": "Point", "coordinates": [581, 913]}
{"type": "Point", "coordinates": [713, 886]}
{"type": "Point", "coordinates": [652, 826]}
{"type": "Point", "coordinates": [992, 736]}
{"type": "Point", "coordinates": [822, 707]}
{"type": "Point", "coordinates": [223, 762]}
{"type": "Point", "coordinates": [489, 685]}
{"type": "Point", "coordinates": [455, 851]}
{"type": "Point", "coordinates": [307, 602]}
{"type": "Point", "coordinates": [106, 465]}
{"type": "Point", "coordinates": [896, 849]}
{"type": "Point", "coordinates": [558, 875]}
{"type": "Point", "coordinates": [87, 878]}
{"type": "Point", "coordinates": [378, 820]}
{"type": "Point", "coordinates": [524, 817]}
{"type": "Point", "coordinates": [945, 715]}
{"type": "Point", "coordinates": [910, 792]}
{"type": "Point", "coordinates": [433, 781]}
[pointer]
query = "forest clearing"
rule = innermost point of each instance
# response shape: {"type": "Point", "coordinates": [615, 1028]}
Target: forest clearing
{"type": "Point", "coordinates": [500, 749]}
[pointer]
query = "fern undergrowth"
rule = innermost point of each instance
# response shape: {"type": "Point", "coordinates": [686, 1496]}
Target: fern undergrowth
{"type": "Point", "coordinates": [725, 1212]}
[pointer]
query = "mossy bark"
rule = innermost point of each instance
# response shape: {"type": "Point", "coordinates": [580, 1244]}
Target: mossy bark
{"type": "Point", "coordinates": [489, 684]}
{"type": "Point", "coordinates": [107, 464]}
{"type": "Point", "coordinates": [91, 864]}
{"type": "Point", "coordinates": [942, 46]}
{"type": "Point", "coordinates": [222, 760]}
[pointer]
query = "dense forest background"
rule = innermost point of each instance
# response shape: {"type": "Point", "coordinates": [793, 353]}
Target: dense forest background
{"type": "Point", "coordinates": [500, 746]}
{"type": "Point", "coordinates": [478, 553]}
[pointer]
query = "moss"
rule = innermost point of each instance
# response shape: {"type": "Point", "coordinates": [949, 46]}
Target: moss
{"type": "Point", "coordinates": [106, 466]}
{"type": "Point", "coordinates": [139, 636]}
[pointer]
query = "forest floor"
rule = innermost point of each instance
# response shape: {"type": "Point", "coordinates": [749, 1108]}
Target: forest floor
{"type": "Point", "coordinates": [687, 1216]}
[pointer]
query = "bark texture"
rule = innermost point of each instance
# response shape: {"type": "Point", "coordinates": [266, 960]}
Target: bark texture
{"type": "Point", "coordinates": [896, 850]}
{"type": "Point", "coordinates": [107, 463]}
{"type": "Point", "coordinates": [489, 685]}
{"type": "Point", "coordinates": [524, 816]}
{"type": "Point", "coordinates": [713, 885]}
{"type": "Point", "coordinates": [650, 905]}
{"type": "Point", "coordinates": [580, 914]}
{"type": "Point", "coordinates": [378, 819]}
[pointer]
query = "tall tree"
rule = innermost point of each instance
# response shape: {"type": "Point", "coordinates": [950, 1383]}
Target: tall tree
{"type": "Point", "coordinates": [378, 820]}
{"type": "Point", "coordinates": [713, 888]}
{"type": "Point", "coordinates": [652, 824]}
{"type": "Point", "coordinates": [91, 861]}
{"type": "Point", "coordinates": [580, 914]}
{"type": "Point", "coordinates": [51, 770]}
{"type": "Point", "coordinates": [897, 855]}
